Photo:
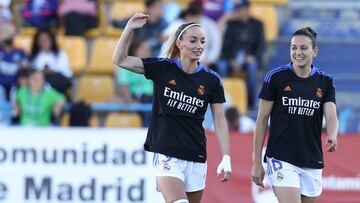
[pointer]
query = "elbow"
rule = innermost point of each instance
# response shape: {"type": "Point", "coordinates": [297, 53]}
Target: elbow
{"type": "Point", "coordinates": [116, 61]}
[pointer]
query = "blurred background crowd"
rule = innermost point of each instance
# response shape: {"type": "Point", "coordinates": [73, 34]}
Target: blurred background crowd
{"type": "Point", "coordinates": [56, 69]}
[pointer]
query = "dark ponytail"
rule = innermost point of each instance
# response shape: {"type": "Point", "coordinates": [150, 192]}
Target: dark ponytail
{"type": "Point", "coordinates": [308, 32]}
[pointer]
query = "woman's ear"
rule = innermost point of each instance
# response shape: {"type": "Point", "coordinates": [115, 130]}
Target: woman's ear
{"type": "Point", "coordinates": [316, 51]}
{"type": "Point", "coordinates": [178, 44]}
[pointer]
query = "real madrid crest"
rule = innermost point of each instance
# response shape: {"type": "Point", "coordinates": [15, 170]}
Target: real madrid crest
{"type": "Point", "coordinates": [319, 93]}
{"type": "Point", "coordinates": [279, 176]}
{"type": "Point", "coordinates": [201, 90]}
{"type": "Point", "coordinates": [166, 167]}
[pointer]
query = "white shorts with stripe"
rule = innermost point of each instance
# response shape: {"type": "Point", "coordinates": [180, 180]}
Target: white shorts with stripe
{"type": "Point", "coordinates": [283, 174]}
{"type": "Point", "coordinates": [193, 174]}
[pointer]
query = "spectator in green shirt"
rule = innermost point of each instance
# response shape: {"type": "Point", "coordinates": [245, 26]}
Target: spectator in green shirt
{"type": "Point", "coordinates": [35, 103]}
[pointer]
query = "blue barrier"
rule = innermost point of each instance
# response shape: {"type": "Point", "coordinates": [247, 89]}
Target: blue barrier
{"type": "Point", "coordinates": [5, 113]}
{"type": "Point", "coordinates": [111, 107]}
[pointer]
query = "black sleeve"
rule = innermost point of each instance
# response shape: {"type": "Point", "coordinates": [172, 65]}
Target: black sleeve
{"type": "Point", "coordinates": [268, 90]}
{"type": "Point", "coordinates": [154, 67]}
{"type": "Point", "coordinates": [217, 95]}
{"type": "Point", "coordinates": [330, 92]}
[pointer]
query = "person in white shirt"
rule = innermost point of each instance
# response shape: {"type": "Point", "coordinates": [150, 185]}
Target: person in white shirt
{"type": "Point", "coordinates": [47, 56]}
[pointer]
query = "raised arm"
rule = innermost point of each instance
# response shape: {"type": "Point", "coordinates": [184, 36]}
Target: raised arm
{"type": "Point", "coordinates": [332, 126]}
{"type": "Point", "coordinates": [120, 57]}
{"type": "Point", "coordinates": [222, 134]}
{"type": "Point", "coordinates": [258, 172]}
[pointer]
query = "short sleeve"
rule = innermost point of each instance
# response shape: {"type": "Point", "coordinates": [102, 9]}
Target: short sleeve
{"type": "Point", "coordinates": [155, 67]}
{"type": "Point", "coordinates": [217, 95]}
{"type": "Point", "coordinates": [268, 90]}
{"type": "Point", "coordinates": [330, 92]}
{"type": "Point", "coordinates": [55, 96]}
{"type": "Point", "coordinates": [123, 77]}
{"type": "Point", "coordinates": [20, 93]}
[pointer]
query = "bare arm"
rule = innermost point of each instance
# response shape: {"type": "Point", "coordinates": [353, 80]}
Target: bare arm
{"type": "Point", "coordinates": [58, 107]}
{"type": "Point", "coordinates": [221, 129]}
{"type": "Point", "coordinates": [120, 57]}
{"type": "Point", "coordinates": [332, 126]}
{"type": "Point", "coordinates": [258, 172]}
{"type": "Point", "coordinates": [222, 134]}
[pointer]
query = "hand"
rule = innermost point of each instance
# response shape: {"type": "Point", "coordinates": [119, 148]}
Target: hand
{"type": "Point", "coordinates": [257, 174]}
{"type": "Point", "coordinates": [137, 21]}
{"type": "Point", "coordinates": [225, 166]}
{"type": "Point", "coordinates": [331, 143]}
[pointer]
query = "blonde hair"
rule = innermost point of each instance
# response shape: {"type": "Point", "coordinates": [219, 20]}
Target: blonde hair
{"type": "Point", "coordinates": [170, 48]}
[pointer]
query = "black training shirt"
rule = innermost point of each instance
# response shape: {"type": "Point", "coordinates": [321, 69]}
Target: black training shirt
{"type": "Point", "coordinates": [297, 113]}
{"type": "Point", "coordinates": [180, 102]}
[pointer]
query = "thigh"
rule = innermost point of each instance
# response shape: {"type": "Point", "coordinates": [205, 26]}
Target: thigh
{"type": "Point", "coordinates": [171, 188]}
{"type": "Point", "coordinates": [311, 182]}
{"type": "Point", "coordinates": [305, 199]}
{"type": "Point", "coordinates": [194, 197]}
{"type": "Point", "coordinates": [287, 194]}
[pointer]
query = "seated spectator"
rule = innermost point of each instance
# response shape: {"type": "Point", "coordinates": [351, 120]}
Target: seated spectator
{"type": "Point", "coordinates": [212, 33]}
{"type": "Point", "coordinates": [134, 88]}
{"type": "Point", "coordinates": [47, 56]}
{"type": "Point", "coordinates": [151, 31]}
{"type": "Point", "coordinates": [237, 122]}
{"type": "Point", "coordinates": [215, 9]}
{"type": "Point", "coordinates": [40, 13]}
{"type": "Point", "coordinates": [78, 16]}
{"type": "Point", "coordinates": [5, 12]}
{"type": "Point", "coordinates": [11, 59]}
{"type": "Point", "coordinates": [35, 103]}
{"type": "Point", "coordinates": [243, 47]}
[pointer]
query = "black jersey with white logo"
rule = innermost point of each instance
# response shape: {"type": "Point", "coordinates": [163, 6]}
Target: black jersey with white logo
{"type": "Point", "coordinates": [179, 106]}
{"type": "Point", "coordinates": [297, 113]}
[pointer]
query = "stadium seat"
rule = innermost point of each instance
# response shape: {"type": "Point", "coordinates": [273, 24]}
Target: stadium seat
{"type": "Point", "coordinates": [65, 120]}
{"type": "Point", "coordinates": [273, 2]}
{"type": "Point", "coordinates": [76, 49]}
{"type": "Point", "coordinates": [235, 90]}
{"type": "Point", "coordinates": [95, 88]}
{"type": "Point", "coordinates": [24, 42]}
{"type": "Point", "coordinates": [125, 120]}
{"type": "Point", "coordinates": [266, 14]}
{"type": "Point", "coordinates": [183, 3]}
{"type": "Point", "coordinates": [98, 31]}
{"type": "Point", "coordinates": [27, 31]}
{"type": "Point", "coordinates": [101, 53]}
{"type": "Point", "coordinates": [122, 10]}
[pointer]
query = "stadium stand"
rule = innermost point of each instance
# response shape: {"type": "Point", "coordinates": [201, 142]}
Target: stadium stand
{"type": "Point", "coordinates": [95, 88]}
{"type": "Point", "coordinates": [235, 90]}
{"type": "Point", "coordinates": [24, 42]}
{"type": "Point", "coordinates": [266, 14]}
{"type": "Point", "coordinates": [273, 2]}
{"type": "Point", "coordinates": [127, 120]}
{"type": "Point", "coordinates": [65, 120]}
{"type": "Point", "coordinates": [76, 49]}
{"type": "Point", "coordinates": [122, 10]}
{"type": "Point", "coordinates": [100, 58]}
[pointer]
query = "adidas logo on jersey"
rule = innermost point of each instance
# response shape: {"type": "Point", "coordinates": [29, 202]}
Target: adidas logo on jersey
{"type": "Point", "coordinates": [287, 88]}
{"type": "Point", "coordinates": [172, 82]}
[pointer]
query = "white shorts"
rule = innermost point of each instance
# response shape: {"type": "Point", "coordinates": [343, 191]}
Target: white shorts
{"type": "Point", "coordinates": [193, 174]}
{"type": "Point", "coordinates": [283, 174]}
